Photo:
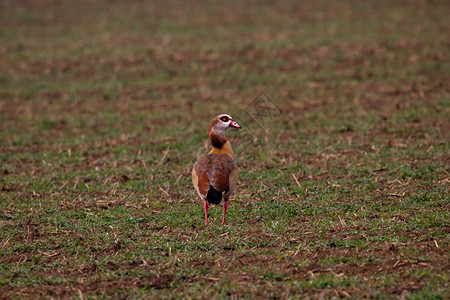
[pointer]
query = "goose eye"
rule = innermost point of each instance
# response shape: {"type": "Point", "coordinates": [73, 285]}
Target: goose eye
{"type": "Point", "coordinates": [224, 119]}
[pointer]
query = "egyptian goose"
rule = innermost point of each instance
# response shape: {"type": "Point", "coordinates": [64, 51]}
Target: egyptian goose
{"type": "Point", "coordinates": [215, 174]}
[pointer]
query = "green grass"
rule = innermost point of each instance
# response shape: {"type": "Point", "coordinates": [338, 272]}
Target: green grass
{"type": "Point", "coordinates": [104, 109]}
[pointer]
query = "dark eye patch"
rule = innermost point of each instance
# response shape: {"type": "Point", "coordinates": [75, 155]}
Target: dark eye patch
{"type": "Point", "coordinates": [225, 119]}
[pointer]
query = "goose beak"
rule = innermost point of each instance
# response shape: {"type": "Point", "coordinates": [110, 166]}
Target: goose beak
{"type": "Point", "coordinates": [234, 124]}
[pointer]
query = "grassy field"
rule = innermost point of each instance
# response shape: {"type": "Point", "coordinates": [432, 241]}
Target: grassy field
{"type": "Point", "coordinates": [343, 193]}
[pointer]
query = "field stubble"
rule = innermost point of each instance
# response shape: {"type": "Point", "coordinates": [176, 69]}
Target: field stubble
{"type": "Point", "coordinates": [343, 193]}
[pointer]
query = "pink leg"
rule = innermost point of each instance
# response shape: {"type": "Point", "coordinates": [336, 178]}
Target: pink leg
{"type": "Point", "coordinates": [225, 206]}
{"type": "Point", "coordinates": [205, 205]}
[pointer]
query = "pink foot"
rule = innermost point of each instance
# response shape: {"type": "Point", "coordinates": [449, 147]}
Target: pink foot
{"type": "Point", "coordinates": [205, 205]}
{"type": "Point", "coordinates": [225, 206]}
